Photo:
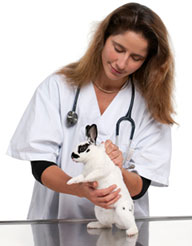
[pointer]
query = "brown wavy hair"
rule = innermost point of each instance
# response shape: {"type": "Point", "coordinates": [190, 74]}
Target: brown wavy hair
{"type": "Point", "coordinates": [155, 78]}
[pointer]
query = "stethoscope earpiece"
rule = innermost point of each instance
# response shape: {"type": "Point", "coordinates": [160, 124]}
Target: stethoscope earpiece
{"type": "Point", "coordinates": [72, 118]}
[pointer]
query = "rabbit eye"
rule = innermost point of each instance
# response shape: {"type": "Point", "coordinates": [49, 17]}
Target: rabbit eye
{"type": "Point", "coordinates": [87, 150]}
{"type": "Point", "coordinates": [82, 148]}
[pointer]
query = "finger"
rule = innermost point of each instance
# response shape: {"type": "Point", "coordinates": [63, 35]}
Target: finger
{"type": "Point", "coordinates": [108, 142]}
{"type": "Point", "coordinates": [93, 185]}
{"type": "Point", "coordinates": [117, 157]}
{"type": "Point", "coordinates": [104, 201]}
{"type": "Point", "coordinates": [106, 191]}
{"type": "Point", "coordinates": [110, 147]}
{"type": "Point", "coordinates": [118, 161]}
{"type": "Point", "coordinates": [114, 154]}
{"type": "Point", "coordinates": [109, 204]}
{"type": "Point", "coordinates": [108, 201]}
{"type": "Point", "coordinates": [108, 198]}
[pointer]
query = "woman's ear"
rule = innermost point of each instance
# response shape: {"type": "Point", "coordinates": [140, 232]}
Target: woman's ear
{"type": "Point", "coordinates": [91, 133]}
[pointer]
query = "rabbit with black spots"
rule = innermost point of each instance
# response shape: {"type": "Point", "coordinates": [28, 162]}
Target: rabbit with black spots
{"type": "Point", "coordinates": [99, 167]}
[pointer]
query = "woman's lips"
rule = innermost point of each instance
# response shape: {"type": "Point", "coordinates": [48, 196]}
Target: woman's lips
{"type": "Point", "coordinates": [115, 71]}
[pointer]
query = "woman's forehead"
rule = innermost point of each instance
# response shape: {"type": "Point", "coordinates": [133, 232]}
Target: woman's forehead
{"type": "Point", "coordinates": [131, 40]}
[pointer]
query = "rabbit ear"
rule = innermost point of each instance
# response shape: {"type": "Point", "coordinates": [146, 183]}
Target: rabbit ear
{"type": "Point", "coordinates": [91, 133]}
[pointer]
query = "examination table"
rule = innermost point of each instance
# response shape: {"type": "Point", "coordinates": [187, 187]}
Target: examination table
{"type": "Point", "coordinates": [153, 231]}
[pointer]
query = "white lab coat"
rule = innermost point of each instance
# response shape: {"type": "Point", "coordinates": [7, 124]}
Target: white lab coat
{"type": "Point", "coordinates": [42, 134]}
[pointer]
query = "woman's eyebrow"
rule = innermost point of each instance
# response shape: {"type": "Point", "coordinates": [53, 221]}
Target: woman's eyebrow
{"type": "Point", "coordinates": [123, 48]}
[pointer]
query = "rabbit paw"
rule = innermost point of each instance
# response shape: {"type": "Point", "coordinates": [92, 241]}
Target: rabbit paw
{"type": "Point", "coordinates": [97, 225]}
{"type": "Point", "coordinates": [132, 231]}
{"type": "Point", "coordinates": [76, 180]}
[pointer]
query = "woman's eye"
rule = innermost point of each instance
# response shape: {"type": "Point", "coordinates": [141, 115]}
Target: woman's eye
{"type": "Point", "coordinates": [118, 50]}
{"type": "Point", "coordinates": [136, 58]}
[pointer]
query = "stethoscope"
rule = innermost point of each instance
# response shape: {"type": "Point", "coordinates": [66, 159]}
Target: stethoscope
{"type": "Point", "coordinates": [72, 119]}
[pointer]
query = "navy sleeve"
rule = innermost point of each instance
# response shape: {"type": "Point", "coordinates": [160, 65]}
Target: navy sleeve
{"type": "Point", "coordinates": [38, 167]}
{"type": "Point", "coordinates": [146, 184]}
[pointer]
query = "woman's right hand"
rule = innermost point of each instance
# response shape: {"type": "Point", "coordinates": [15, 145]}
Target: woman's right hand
{"type": "Point", "coordinates": [104, 198]}
{"type": "Point", "coordinates": [56, 179]}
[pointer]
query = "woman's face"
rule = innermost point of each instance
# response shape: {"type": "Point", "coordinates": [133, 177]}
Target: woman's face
{"type": "Point", "coordinates": [122, 55]}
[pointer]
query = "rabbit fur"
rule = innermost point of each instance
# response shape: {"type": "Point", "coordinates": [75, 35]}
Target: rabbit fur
{"type": "Point", "coordinates": [99, 167]}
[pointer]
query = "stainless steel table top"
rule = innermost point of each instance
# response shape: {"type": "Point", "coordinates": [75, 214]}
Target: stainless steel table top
{"type": "Point", "coordinates": [154, 231]}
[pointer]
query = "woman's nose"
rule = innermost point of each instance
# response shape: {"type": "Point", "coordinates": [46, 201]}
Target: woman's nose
{"type": "Point", "coordinates": [122, 63]}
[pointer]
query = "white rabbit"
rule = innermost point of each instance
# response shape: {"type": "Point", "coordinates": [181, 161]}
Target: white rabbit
{"type": "Point", "coordinates": [99, 167]}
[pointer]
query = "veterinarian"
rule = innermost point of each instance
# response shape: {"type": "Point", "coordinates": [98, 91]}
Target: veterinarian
{"type": "Point", "coordinates": [131, 42]}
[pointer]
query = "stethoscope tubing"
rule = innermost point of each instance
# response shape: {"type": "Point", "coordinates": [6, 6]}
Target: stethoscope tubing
{"type": "Point", "coordinates": [72, 117]}
{"type": "Point", "coordinates": [76, 99]}
{"type": "Point", "coordinates": [128, 116]}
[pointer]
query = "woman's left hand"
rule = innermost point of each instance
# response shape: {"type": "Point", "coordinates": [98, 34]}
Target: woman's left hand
{"type": "Point", "coordinates": [114, 153]}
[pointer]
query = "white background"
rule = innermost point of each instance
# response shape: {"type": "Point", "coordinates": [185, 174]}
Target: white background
{"type": "Point", "coordinates": [40, 36]}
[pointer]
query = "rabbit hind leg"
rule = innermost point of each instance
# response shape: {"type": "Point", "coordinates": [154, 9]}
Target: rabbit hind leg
{"type": "Point", "coordinates": [124, 219]}
{"type": "Point", "coordinates": [104, 218]}
{"type": "Point", "coordinates": [132, 231]}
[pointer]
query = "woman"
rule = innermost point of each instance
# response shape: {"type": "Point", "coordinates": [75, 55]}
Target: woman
{"type": "Point", "coordinates": [132, 41]}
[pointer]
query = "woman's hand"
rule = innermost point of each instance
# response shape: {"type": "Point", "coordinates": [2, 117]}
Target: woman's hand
{"type": "Point", "coordinates": [104, 198]}
{"type": "Point", "coordinates": [114, 153]}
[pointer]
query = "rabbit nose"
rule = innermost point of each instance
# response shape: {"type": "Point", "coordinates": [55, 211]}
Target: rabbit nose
{"type": "Point", "coordinates": [75, 156]}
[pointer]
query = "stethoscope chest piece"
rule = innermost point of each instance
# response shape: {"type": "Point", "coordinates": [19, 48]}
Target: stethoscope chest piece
{"type": "Point", "coordinates": [72, 118]}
